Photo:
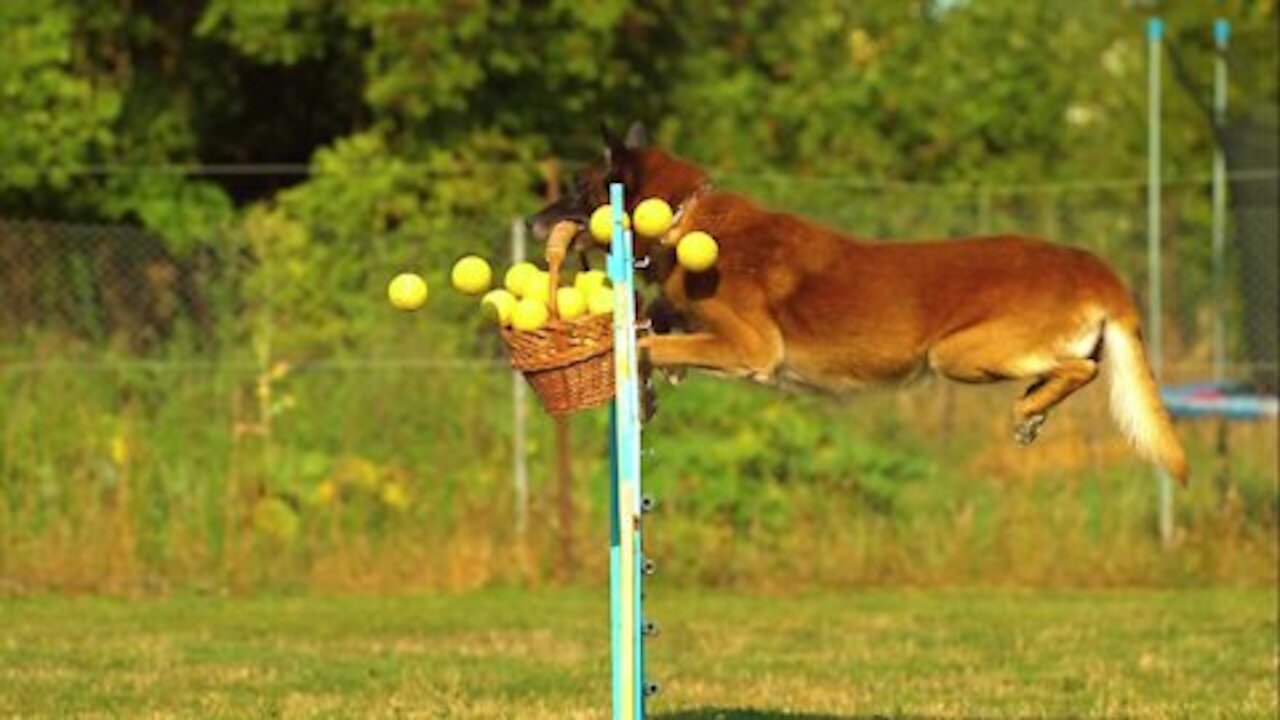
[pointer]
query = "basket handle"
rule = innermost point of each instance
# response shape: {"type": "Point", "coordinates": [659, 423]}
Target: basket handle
{"type": "Point", "coordinates": [557, 247]}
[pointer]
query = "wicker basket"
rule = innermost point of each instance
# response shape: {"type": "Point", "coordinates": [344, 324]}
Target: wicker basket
{"type": "Point", "coordinates": [569, 363]}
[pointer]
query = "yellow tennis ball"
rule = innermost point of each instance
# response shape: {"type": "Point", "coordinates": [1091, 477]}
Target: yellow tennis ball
{"type": "Point", "coordinates": [600, 301]}
{"type": "Point", "coordinates": [589, 280]}
{"type": "Point", "coordinates": [697, 251]}
{"type": "Point", "coordinates": [518, 276]}
{"type": "Point", "coordinates": [653, 217]}
{"type": "Point", "coordinates": [538, 286]}
{"type": "Point", "coordinates": [570, 303]}
{"type": "Point", "coordinates": [601, 224]}
{"type": "Point", "coordinates": [472, 275]}
{"type": "Point", "coordinates": [497, 306]}
{"type": "Point", "coordinates": [529, 315]}
{"type": "Point", "coordinates": [407, 291]}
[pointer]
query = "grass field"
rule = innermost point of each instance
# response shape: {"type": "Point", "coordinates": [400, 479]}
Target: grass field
{"type": "Point", "coordinates": [543, 654]}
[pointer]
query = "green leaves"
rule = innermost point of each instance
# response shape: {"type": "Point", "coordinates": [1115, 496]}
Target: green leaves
{"type": "Point", "coordinates": [281, 31]}
{"type": "Point", "coordinates": [727, 449]}
{"type": "Point", "coordinates": [55, 118]}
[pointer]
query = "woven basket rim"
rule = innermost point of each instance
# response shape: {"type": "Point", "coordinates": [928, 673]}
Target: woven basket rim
{"type": "Point", "coordinates": [560, 343]}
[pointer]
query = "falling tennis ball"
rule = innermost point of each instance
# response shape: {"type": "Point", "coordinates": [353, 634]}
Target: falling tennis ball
{"type": "Point", "coordinates": [518, 276]}
{"type": "Point", "coordinates": [407, 291]}
{"type": "Point", "coordinates": [497, 306]}
{"type": "Point", "coordinates": [697, 251]}
{"type": "Point", "coordinates": [601, 224]}
{"type": "Point", "coordinates": [570, 303]}
{"type": "Point", "coordinates": [472, 275]}
{"type": "Point", "coordinates": [589, 280]}
{"type": "Point", "coordinates": [529, 315]}
{"type": "Point", "coordinates": [653, 217]}
{"type": "Point", "coordinates": [600, 301]}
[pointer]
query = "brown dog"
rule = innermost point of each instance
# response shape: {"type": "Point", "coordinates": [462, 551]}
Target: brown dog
{"type": "Point", "coordinates": [792, 301]}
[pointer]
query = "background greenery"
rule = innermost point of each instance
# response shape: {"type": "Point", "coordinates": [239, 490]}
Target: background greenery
{"type": "Point", "coordinates": [222, 399]}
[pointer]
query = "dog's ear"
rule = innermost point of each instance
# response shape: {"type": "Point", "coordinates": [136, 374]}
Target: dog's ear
{"type": "Point", "coordinates": [614, 147]}
{"type": "Point", "coordinates": [637, 136]}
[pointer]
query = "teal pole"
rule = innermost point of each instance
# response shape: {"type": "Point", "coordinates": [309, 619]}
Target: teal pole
{"type": "Point", "coordinates": [625, 576]}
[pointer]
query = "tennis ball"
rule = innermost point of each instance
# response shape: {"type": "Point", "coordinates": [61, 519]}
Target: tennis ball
{"type": "Point", "coordinates": [497, 306]}
{"type": "Point", "coordinates": [407, 291]}
{"type": "Point", "coordinates": [518, 276]}
{"type": "Point", "coordinates": [529, 315]}
{"type": "Point", "coordinates": [601, 224]}
{"type": "Point", "coordinates": [653, 217]}
{"type": "Point", "coordinates": [538, 286]}
{"type": "Point", "coordinates": [589, 280]}
{"type": "Point", "coordinates": [697, 251]}
{"type": "Point", "coordinates": [472, 275]}
{"type": "Point", "coordinates": [570, 303]}
{"type": "Point", "coordinates": [600, 301]}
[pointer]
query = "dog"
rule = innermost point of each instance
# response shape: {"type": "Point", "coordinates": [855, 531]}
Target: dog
{"type": "Point", "coordinates": [792, 301]}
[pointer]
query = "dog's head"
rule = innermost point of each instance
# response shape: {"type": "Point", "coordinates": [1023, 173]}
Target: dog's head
{"type": "Point", "coordinates": [644, 171]}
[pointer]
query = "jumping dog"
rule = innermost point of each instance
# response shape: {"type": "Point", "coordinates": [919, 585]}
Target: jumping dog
{"type": "Point", "coordinates": [790, 300]}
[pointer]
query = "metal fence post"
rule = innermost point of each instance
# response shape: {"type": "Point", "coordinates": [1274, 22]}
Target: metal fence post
{"type": "Point", "coordinates": [1155, 29]}
{"type": "Point", "coordinates": [520, 464]}
{"type": "Point", "coordinates": [1221, 33]}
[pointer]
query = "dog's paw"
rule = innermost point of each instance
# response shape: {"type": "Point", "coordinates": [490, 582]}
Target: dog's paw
{"type": "Point", "coordinates": [1028, 430]}
{"type": "Point", "coordinates": [648, 402]}
{"type": "Point", "coordinates": [673, 375]}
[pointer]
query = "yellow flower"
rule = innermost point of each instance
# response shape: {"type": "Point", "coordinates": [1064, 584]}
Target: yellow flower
{"type": "Point", "coordinates": [394, 496]}
{"type": "Point", "coordinates": [326, 492]}
{"type": "Point", "coordinates": [119, 449]}
{"type": "Point", "coordinates": [279, 370]}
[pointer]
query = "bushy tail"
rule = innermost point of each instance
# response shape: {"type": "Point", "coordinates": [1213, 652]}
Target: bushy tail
{"type": "Point", "coordinates": [1135, 400]}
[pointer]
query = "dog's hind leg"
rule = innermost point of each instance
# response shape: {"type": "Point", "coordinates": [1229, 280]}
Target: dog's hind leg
{"type": "Point", "coordinates": [990, 353]}
{"type": "Point", "coordinates": [1068, 376]}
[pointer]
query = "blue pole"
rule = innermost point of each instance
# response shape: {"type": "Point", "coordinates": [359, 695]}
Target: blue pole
{"type": "Point", "coordinates": [615, 562]}
{"type": "Point", "coordinates": [625, 551]}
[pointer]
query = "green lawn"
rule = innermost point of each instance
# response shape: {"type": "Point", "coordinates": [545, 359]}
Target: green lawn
{"type": "Point", "coordinates": [543, 654]}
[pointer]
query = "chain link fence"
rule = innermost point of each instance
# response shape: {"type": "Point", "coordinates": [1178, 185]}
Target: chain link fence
{"type": "Point", "coordinates": [119, 288]}
{"type": "Point", "coordinates": [118, 354]}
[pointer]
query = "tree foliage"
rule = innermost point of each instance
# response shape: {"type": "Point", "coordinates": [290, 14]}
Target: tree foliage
{"type": "Point", "coordinates": [428, 118]}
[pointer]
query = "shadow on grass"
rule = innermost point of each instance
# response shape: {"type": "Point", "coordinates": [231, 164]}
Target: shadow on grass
{"type": "Point", "coordinates": [749, 714]}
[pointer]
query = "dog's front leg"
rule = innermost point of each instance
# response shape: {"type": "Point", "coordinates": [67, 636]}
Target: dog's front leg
{"type": "Point", "coordinates": [711, 352]}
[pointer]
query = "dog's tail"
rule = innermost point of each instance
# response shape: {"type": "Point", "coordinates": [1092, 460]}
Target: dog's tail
{"type": "Point", "coordinates": [1135, 399]}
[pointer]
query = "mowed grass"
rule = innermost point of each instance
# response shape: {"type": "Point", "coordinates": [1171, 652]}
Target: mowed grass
{"type": "Point", "coordinates": [544, 654]}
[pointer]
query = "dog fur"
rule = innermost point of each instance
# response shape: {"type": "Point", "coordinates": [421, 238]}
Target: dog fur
{"type": "Point", "coordinates": [790, 300]}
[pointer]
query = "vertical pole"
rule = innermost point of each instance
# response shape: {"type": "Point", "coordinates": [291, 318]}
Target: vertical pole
{"type": "Point", "coordinates": [625, 550]}
{"type": "Point", "coordinates": [564, 495]}
{"type": "Point", "coordinates": [1221, 34]}
{"type": "Point", "coordinates": [1155, 28]}
{"type": "Point", "coordinates": [519, 462]}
